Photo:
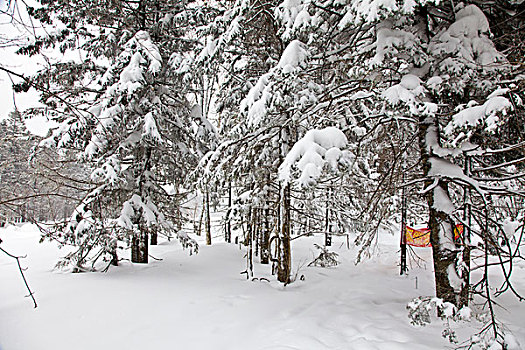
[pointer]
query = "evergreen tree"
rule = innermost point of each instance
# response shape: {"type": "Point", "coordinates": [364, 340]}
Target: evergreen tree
{"type": "Point", "coordinates": [124, 109]}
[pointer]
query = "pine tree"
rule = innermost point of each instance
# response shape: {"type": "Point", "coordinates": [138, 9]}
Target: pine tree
{"type": "Point", "coordinates": [124, 109]}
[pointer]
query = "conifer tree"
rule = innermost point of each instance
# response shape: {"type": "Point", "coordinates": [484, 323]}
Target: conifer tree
{"type": "Point", "coordinates": [124, 109]}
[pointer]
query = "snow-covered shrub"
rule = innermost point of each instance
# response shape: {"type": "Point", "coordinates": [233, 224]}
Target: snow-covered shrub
{"type": "Point", "coordinates": [326, 258]}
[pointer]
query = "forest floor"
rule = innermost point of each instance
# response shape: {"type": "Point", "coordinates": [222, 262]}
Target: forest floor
{"type": "Point", "coordinates": [203, 302]}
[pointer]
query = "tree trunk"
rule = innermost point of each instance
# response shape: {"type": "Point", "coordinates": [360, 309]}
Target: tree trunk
{"type": "Point", "coordinates": [444, 251]}
{"type": "Point", "coordinates": [285, 256]}
{"type": "Point", "coordinates": [153, 239]}
{"type": "Point", "coordinates": [228, 227]}
{"type": "Point", "coordinates": [207, 220]}
{"type": "Point", "coordinates": [327, 223]}
{"type": "Point", "coordinates": [199, 226]}
{"type": "Point", "coordinates": [114, 255]}
{"type": "Point", "coordinates": [403, 240]}
{"type": "Point", "coordinates": [449, 283]}
{"type": "Point", "coordinates": [139, 248]}
{"type": "Point", "coordinates": [265, 237]}
{"type": "Point", "coordinates": [256, 230]}
{"type": "Point", "coordinates": [249, 243]}
{"type": "Point", "coordinates": [465, 239]}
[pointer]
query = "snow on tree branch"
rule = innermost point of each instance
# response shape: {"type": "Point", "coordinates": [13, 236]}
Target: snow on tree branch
{"type": "Point", "coordinates": [486, 114]}
{"type": "Point", "coordinates": [318, 148]}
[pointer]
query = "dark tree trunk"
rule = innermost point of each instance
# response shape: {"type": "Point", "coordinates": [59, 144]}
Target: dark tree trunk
{"type": "Point", "coordinates": [207, 220]}
{"type": "Point", "coordinates": [153, 239]}
{"type": "Point", "coordinates": [227, 227]}
{"type": "Point", "coordinates": [443, 250]}
{"type": "Point", "coordinates": [139, 248]}
{"type": "Point", "coordinates": [327, 223]}
{"type": "Point", "coordinates": [199, 226]}
{"type": "Point", "coordinates": [249, 243]}
{"type": "Point", "coordinates": [265, 237]}
{"type": "Point", "coordinates": [284, 265]}
{"type": "Point", "coordinates": [114, 255]}
{"type": "Point", "coordinates": [465, 239]}
{"type": "Point", "coordinates": [403, 240]}
{"type": "Point", "coordinates": [114, 258]}
{"type": "Point", "coordinates": [256, 235]}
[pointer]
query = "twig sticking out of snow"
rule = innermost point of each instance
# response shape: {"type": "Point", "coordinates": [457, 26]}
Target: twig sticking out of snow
{"type": "Point", "coordinates": [17, 258]}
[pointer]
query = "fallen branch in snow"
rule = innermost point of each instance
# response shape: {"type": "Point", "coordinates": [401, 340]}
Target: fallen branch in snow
{"type": "Point", "coordinates": [17, 258]}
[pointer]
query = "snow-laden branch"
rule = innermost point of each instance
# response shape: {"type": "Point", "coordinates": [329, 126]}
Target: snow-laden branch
{"type": "Point", "coordinates": [319, 147]}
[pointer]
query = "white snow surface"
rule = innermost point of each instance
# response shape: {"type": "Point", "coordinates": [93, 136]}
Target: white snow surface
{"type": "Point", "coordinates": [202, 302]}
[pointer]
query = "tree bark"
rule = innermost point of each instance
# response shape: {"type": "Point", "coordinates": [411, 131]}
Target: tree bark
{"type": "Point", "coordinates": [228, 227]}
{"type": "Point", "coordinates": [154, 236]}
{"type": "Point", "coordinates": [249, 243]}
{"type": "Point", "coordinates": [139, 248]}
{"type": "Point", "coordinates": [207, 220]}
{"type": "Point", "coordinates": [465, 239]}
{"type": "Point", "coordinates": [265, 237]}
{"type": "Point", "coordinates": [285, 256]}
{"type": "Point", "coordinates": [449, 283]}
{"type": "Point", "coordinates": [114, 255]}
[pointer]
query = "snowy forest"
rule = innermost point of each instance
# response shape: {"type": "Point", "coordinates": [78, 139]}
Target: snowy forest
{"type": "Point", "coordinates": [293, 141]}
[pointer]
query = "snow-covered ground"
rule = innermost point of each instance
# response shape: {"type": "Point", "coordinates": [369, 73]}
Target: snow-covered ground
{"type": "Point", "coordinates": [203, 302]}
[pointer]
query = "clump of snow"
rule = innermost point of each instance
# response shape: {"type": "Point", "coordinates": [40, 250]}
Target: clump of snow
{"type": "Point", "coordinates": [442, 201]}
{"type": "Point", "coordinates": [487, 113]}
{"type": "Point", "coordinates": [434, 82]}
{"type": "Point", "coordinates": [256, 102]}
{"type": "Point", "coordinates": [440, 167]}
{"type": "Point", "coordinates": [293, 15]}
{"type": "Point", "coordinates": [108, 118]}
{"type": "Point", "coordinates": [410, 82]}
{"type": "Point", "coordinates": [150, 127]}
{"type": "Point", "coordinates": [467, 42]}
{"type": "Point", "coordinates": [131, 77]}
{"type": "Point", "coordinates": [209, 50]}
{"type": "Point", "coordinates": [453, 277]}
{"type": "Point", "coordinates": [144, 43]}
{"type": "Point", "coordinates": [108, 172]}
{"type": "Point", "coordinates": [465, 313]}
{"type": "Point", "coordinates": [180, 64]}
{"type": "Point", "coordinates": [369, 11]}
{"type": "Point", "coordinates": [293, 57]}
{"type": "Point", "coordinates": [407, 92]}
{"type": "Point", "coordinates": [135, 207]}
{"type": "Point", "coordinates": [257, 99]}
{"type": "Point", "coordinates": [510, 228]}
{"type": "Point", "coordinates": [361, 95]}
{"type": "Point", "coordinates": [389, 40]}
{"type": "Point", "coordinates": [317, 148]}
